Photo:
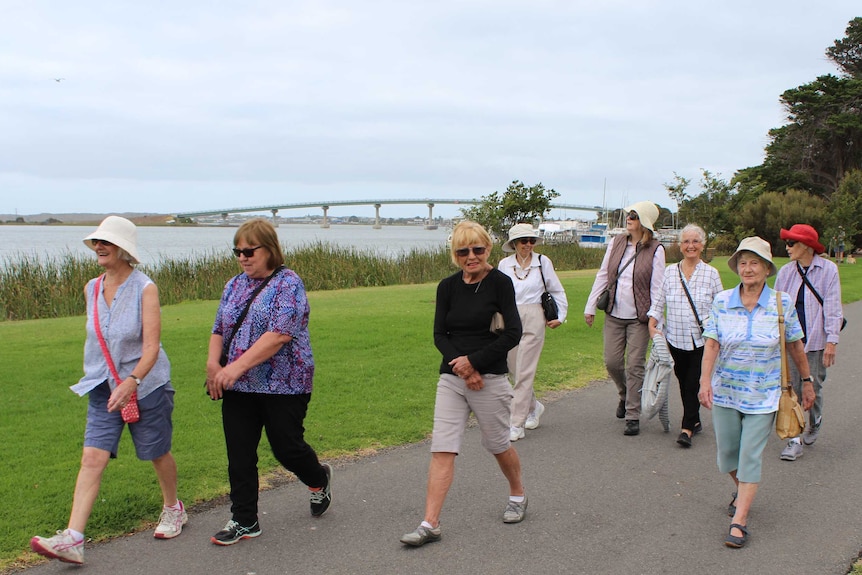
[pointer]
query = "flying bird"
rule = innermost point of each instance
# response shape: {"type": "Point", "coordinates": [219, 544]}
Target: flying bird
{"type": "Point", "coordinates": [59, 79]}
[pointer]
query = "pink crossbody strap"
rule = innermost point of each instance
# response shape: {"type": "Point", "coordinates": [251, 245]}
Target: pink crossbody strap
{"type": "Point", "coordinates": [98, 329]}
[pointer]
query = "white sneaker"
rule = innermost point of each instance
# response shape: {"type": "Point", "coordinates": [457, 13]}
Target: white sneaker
{"type": "Point", "coordinates": [533, 418]}
{"type": "Point", "coordinates": [516, 433]}
{"type": "Point", "coordinates": [171, 522]}
{"type": "Point", "coordinates": [792, 452]}
{"type": "Point", "coordinates": [61, 546]}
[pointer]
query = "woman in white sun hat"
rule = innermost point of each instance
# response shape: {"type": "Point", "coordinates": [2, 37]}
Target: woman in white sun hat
{"type": "Point", "coordinates": [632, 271]}
{"type": "Point", "coordinates": [126, 303]}
{"type": "Point", "coordinates": [531, 275]}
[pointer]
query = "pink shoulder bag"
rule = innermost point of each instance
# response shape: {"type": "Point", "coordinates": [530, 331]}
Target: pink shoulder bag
{"type": "Point", "coordinates": [130, 412]}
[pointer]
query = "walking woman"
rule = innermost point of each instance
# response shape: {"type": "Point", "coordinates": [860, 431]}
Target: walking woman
{"type": "Point", "coordinates": [260, 364]}
{"type": "Point", "coordinates": [473, 375]}
{"type": "Point", "coordinates": [531, 275]}
{"type": "Point", "coordinates": [741, 374]}
{"type": "Point", "coordinates": [686, 295]}
{"type": "Point", "coordinates": [123, 312]}
{"type": "Point", "coordinates": [632, 272]}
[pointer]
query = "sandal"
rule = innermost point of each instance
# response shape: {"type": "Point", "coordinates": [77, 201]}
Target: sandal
{"type": "Point", "coordinates": [733, 540]}
{"type": "Point", "coordinates": [731, 509]}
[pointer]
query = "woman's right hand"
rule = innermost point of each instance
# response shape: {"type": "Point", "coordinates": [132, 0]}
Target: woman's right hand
{"type": "Point", "coordinates": [589, 319]}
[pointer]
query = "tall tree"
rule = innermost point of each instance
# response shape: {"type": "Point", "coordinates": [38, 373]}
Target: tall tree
{"type": "Point", "coordinates": [518, 204]}
{"type": "Point", "coordinates": [847, 52]}
{"type": "Point", "coordinates": [712, 208]}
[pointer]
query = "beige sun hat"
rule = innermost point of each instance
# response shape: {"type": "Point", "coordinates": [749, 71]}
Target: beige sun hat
{"type": "Point", "coordinates": [757, 246]}
{"type": "Point", "coordinates": [120, 232]}
{"type": "Point", "coordinates": [520, 231]}
{"type": "Point", "coordinates": [647, 212]}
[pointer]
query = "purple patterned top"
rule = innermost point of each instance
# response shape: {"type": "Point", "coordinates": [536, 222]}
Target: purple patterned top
{"type": "Point", "coordinates": [281, 307]}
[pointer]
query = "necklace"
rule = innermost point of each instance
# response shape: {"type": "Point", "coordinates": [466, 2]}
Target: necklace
{"type": "Point", "coordinates": [526, 275]}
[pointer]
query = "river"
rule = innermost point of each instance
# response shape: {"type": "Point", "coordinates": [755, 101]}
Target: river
{"type": "Point", "coordinates": [160, 243]}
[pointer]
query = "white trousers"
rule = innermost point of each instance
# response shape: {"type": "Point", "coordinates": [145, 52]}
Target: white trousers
{"type": "Point", "coordinates": [523, 360]}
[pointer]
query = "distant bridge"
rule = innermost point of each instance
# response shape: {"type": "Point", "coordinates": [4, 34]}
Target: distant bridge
{"type": "Point", "coordinates": [376, 203]}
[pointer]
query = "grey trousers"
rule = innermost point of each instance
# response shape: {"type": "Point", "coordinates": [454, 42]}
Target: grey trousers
{"type": "Point", "coordinates": [626, 342]}
{"type": "Point", "coordinates": [818, 372]}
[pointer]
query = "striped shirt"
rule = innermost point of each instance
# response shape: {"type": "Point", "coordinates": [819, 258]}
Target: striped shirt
{"type": "Point", "coordinates": [823, 323]}
{"type": "Point", "coordinates": [682, 331]}
{"type": "Point", "coordinates": [747, 375]}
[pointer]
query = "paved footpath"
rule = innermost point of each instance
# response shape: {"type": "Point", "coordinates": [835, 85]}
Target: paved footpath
{"type": "Point", "coordinates": [599, 503]}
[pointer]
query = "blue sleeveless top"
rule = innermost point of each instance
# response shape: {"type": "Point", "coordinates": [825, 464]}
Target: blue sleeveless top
{"type": "Point", "coordinates": [122, 328]}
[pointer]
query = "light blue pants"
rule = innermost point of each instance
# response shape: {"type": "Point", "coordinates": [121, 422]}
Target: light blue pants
{"type": "Point", "coordinates": [741, 439]}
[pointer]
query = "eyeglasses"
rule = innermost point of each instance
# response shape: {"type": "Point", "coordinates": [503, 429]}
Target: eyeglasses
{"type": "Point", "coordinates": [247, 252]}
{"type": "Point", "coordinates": [527, 240]}
{"type": "Point", "coordinates": [633, 216]}
{"type": "Point", "coordinates": [478, 250]}
{"type": "Point", "coordinates": [102, 242]}
{"type": "Point", "coordinates": [790, 243]}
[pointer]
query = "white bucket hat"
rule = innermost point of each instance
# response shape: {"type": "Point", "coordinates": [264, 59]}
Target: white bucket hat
{"type": "Point", "coordinates": [756, 245]}
{"type": "Point", "coordinates": [120, 232]}
{"type": "Point", "coordinates": [520, 231]}
{"type": "Point", "coordinates": [647, 212]}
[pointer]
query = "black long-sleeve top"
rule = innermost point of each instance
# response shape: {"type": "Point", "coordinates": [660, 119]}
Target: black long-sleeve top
{"type": "Point", "coordinates": [463, 319]}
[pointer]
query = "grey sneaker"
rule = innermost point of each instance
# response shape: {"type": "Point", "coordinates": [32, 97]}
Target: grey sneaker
{"type": "Point", "coordinates": [792, 451]}
{"type": "Point", "coordinates": [171, 522]}
{"type": "Point", "coordinates": [61, 546]}
{"type": "Point", "coordinates": [515, 512]}
{"type": "Point", "coordinates": [321, 498]}
{"type": "Point", "coordinates": [535, 415]}
{"type": "Point", "coordinates": [421, 536]}
{"type": "Point", "coordinates": [809, 436]}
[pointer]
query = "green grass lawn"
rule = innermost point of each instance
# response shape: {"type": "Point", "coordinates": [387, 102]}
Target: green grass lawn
{"type": "Point", "coordinates": [374, 387]}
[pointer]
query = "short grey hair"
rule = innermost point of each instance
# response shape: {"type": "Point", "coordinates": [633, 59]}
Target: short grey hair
{"type": "Point", "coordinates": [696, 229]}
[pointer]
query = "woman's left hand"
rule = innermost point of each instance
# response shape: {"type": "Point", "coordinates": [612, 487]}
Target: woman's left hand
{"type": "Point", "coordinates": [554, 323]}
{"type": "Point", "coordinates": [121, 395]}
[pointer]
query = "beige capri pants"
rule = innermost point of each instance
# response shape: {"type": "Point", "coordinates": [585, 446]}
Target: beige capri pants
{"type": "Point", "coordinates": [491, 405]}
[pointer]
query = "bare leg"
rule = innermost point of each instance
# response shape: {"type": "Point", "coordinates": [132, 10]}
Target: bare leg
{"type": "Point", "coordinates": [166, 471]}
{"type": "Point", "coordinates": [93, 464]}
{"type": "Point", "coordinates": [441, 471]}
{"type": "Point", "coordinates": [744, 499]}
{"type": "Point", "coordinates": [510, 465]}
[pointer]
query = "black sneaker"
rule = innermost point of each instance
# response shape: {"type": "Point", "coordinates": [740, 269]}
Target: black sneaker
{"type": "Point", "coordinates": [633, 427]}
{"type": "Point", "coordinates": [321, 499]}
{"type": "Point", "coordinates": [621, 409]}
{"type": "Point", "coordinates": [233, 532]}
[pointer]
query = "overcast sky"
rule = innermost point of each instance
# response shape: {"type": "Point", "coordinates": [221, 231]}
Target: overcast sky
{"type": "Point", "coordinates": [190, 105]}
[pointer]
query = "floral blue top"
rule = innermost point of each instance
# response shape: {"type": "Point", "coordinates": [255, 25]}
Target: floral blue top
{"type": "Point", "coordinates": [281, 307]}
{"type": "Point", "coordinates": [747, 374]}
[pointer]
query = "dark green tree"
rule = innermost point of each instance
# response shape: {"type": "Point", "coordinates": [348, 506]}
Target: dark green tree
{"type": "Point", "coordinates": [771, 211]}
{"type": "Point", "coordinates": [518, 204]}
{"type": "Point", "coordinates": [847, 52]}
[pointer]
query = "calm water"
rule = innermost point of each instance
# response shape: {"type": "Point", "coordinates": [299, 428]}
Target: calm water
{"type": "Point", "coordinates": [157, 244]}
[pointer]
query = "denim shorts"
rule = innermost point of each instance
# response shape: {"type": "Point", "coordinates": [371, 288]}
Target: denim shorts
{"type": "Point", "coordinates": [491, 405]}
{"type": "Point", "coordinates": [151, 435]}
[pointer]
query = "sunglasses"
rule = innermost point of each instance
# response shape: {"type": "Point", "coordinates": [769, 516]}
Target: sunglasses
{"type": "Point", "coordinates": [101, 242]}
{"type": "Point", "coordinates": [524, 241]}
{"type": "Point", "coordinates": [247, 252]}
{"type": "Point", "coordinates": [790, 243]}
{"type": "Point", "coordinates": [633, 216]}
{"type": "Point", "coordinates": [478, 250]}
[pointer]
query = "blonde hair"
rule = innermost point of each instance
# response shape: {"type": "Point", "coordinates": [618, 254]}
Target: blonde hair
{"type": "Point", "coordinates": [262, 233]}
{"type": "Point", "coordinates": [467, 234]}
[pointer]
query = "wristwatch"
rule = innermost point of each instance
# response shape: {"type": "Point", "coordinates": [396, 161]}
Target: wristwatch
{"type": "Point", "coordinates": [138, 379]}
{"type": "Point", "coordinates": [809, 378]}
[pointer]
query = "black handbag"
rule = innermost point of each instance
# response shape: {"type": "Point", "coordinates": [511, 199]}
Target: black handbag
{"type": "Point", "coordinates": [549, 304]}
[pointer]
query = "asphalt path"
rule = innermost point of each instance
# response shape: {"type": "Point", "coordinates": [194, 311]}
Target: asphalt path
{"type": "Point", "coordinates": [599, 502]}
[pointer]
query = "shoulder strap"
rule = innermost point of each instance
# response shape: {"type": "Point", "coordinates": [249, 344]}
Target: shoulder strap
{"type": "Point", "coordinates": [781, 335]}
{"type": "Point", "coordinates": [808, 283]}
{"type": "Point", "coordinates": [688, 295]}
{"type": "Point", "coordinates": [241, 318]}
{"type": "Point", "coordinates": [111, 367]}
{"type": "Point", "coordinates": [543, 273]}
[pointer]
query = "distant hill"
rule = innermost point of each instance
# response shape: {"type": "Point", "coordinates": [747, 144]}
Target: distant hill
{"type": "Point", "coordinates": [82, 219]}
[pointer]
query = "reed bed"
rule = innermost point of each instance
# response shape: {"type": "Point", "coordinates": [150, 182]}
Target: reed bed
{"type": "Point", "coordinates": [42, 288]}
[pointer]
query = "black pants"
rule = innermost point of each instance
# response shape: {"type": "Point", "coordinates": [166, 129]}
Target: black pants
{"type": "Point", "coordinates": [244, 416]}
{"type": "Point", "coordinates": [686, 366]}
